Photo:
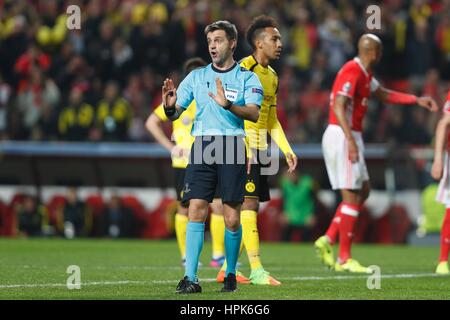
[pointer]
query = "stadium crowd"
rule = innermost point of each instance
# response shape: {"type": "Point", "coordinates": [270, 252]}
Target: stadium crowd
{"type": "Point", "coordinates": [101, 82]}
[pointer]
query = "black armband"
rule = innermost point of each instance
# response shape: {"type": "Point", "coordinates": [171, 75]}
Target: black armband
{"type": "Point", "coordinates": [170, 112]}
{"type": "Point", "coordinates": [228, 105]}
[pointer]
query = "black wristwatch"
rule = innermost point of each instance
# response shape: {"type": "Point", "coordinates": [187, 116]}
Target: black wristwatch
{"type": "Point", "coordinates": [169, 111]}
{"type": "Point", "coordinates": [228, 105]}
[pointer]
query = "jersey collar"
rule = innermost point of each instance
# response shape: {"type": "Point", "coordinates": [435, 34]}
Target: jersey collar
{"type": "Point", "coordinates": [358, 61]}
{"type": "Point", "coordinates": [263, 69]}
{"type": "Point", "coordinates": [223, 71]}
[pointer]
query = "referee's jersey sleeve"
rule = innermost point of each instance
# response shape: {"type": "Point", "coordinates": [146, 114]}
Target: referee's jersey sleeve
{"type": "Point", "coordinates": [185, 91]}
{"type": "Point", "coordinates": [253, 91]}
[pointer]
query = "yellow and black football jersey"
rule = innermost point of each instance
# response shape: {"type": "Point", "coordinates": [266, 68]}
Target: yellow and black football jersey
{"type": "Point", "coordinates": [181, 131]}
{"type": "Point", "coordinates": [268, 120]}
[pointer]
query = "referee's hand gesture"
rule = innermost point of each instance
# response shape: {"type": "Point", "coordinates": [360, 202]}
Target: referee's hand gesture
{"type": "Point", "coordinates": [169, 94]}
{"type": "Point", "coordinates": [219, 98]}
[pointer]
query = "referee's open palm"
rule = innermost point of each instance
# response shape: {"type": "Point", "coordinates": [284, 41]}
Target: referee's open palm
{"type": "Point", "coordinates": [169, 94]}
{"type": "Point", "coordinates": [219, 98]}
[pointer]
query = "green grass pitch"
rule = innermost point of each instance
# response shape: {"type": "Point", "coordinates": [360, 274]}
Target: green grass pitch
{"type": "Point", "coordinates": [141, 269]}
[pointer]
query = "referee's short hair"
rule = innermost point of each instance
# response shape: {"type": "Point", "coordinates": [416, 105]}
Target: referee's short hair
{"type": "Point", "coordinates": [228, 27]}
{"type": "Point", "coordinates": [257, 26]}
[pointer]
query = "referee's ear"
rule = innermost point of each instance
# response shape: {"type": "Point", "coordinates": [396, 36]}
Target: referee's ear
{"type": "Point", "coordinates": [233, 48]}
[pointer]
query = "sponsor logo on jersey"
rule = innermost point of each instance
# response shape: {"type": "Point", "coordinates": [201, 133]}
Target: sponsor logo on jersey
{"type": "Point", "coordinates": [258, 90]}
{"type": "Point", "coordinates": [346, 87]}
{"type": "Point", "coordinates": [447, 106]}
{"type": "Point", "coordinates": [231, 94]}
{"type": "Point", "coordinates": [250, 187]}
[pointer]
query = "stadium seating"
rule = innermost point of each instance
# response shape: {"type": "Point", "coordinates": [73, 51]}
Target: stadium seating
{"type": "Point", "coordinates": [55, 203]}
{"type": "Point", "coordinates": [96, 204]}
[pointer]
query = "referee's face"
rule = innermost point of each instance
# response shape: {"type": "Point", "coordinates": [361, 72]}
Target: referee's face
{"type": "Point", "coordinates": [220, 48]}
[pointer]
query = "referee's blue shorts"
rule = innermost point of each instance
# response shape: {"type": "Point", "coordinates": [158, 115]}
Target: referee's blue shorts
{"type": "Point", "coordinates": [216, 161]}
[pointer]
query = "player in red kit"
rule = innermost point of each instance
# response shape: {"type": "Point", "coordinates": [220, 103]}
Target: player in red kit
{"type": "Point", "coordinates": [440, 170]}
{"type": "Point", "coordinates": [343, 147]}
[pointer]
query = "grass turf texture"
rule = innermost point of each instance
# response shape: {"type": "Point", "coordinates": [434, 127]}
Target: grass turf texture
{"type": "Point", "coordinates": [139, 269]}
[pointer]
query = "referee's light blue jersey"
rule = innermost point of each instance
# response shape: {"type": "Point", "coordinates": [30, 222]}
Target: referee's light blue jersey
{"type": "Point", "coordinates": [241, 87]}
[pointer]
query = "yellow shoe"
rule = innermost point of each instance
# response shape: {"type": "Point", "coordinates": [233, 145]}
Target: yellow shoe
{"type": "Point", "coordinates": [262, 277]}
{"type": "Point", "coordinates": [324, 251]}
{"type": "Point", "coordinates": [352, 265]}
{"type": "Point", "coordinates": [442, 268]}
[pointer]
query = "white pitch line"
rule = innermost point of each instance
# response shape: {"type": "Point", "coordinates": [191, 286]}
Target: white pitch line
{"type": "Point", "coordinates": [124, 282]}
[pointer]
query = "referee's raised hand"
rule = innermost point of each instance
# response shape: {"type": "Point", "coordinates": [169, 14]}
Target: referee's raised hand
{"type": "Point", "coordinates": [169, 94]}
{"type": "Point", "coordinates": [219, 98]}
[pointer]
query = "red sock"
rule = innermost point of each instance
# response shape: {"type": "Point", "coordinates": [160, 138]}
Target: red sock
{"type": "Point", "coordinates": [333, 229]}
{"type": "Point", "coordinates": [349, 215]}
{"type": "Point", "coordinates": [445, 237]}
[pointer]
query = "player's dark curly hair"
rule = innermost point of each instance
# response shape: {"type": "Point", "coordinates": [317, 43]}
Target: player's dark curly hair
{"type": "Point", "coordinates": [257, 26]}
{"type": "Point", "coordinates": [192, 64]}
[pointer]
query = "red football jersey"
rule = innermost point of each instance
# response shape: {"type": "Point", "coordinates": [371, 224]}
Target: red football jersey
{"type": "Point", "coordinates": [354, 82]}
{"type": "Point", "coordinates": [447, 103]}
{"type": "Point", "coordinates": [447, 110]}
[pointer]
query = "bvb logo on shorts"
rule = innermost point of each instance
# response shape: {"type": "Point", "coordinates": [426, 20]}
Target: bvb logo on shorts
{"type": "Point", "coordinates": [250, 187]}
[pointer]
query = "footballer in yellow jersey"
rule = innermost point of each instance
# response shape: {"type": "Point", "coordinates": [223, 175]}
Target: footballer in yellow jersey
{"type": "Point", "coordinates": [179, 147]}
{"type": "Point", "coordinates": [181, 135]}
{"type": "Point", "coordinates": [265, 39]}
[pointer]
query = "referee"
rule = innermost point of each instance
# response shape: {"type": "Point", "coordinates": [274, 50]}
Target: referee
{"type": "Point", "coordinates": [226, 95]}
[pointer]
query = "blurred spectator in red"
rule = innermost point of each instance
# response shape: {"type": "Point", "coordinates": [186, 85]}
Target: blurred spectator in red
{"type": "Point", "coordinates": [31, 59]}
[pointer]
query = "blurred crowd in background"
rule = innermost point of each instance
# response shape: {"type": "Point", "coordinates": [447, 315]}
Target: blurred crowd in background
{"type": "Point", "coordinates": [101, 82]}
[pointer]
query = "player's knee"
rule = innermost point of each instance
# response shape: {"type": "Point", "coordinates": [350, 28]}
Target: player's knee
{"type": "Point", "coordinates": [232, 222]}
{"type": "Point", "coordinates": [217, 207]}
{"type": "Point", "coordinates": [182, 210]}
{"type": "Point", "coordinates": [250, 204]}
{"type": "Point", "coordinates": [198, 210]}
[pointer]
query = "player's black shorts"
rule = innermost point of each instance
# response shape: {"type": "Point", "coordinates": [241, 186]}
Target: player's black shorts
{"type": "Point", "coordinates": [216, 162]}
{"type": "Point", "coordinates": [180, 174]}
{"type": "Point", "coordinates": [257, 184]}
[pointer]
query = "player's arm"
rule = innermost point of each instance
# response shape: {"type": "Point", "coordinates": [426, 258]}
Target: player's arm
{"type": "Point", "coordinates": [169, 99]}
{"type": "Point", "coordinates": [441, 134]}
{"type": "Point", "coordinates": [249, 111]}
{"type": "Point", "coordinates": [277, 133]}
{"type": "Point", "coordinates": [339, 110]}
{"type": "Point", "coordinates": [396, 97]}
{"type": "Point", "coordinates": [154, 126]}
